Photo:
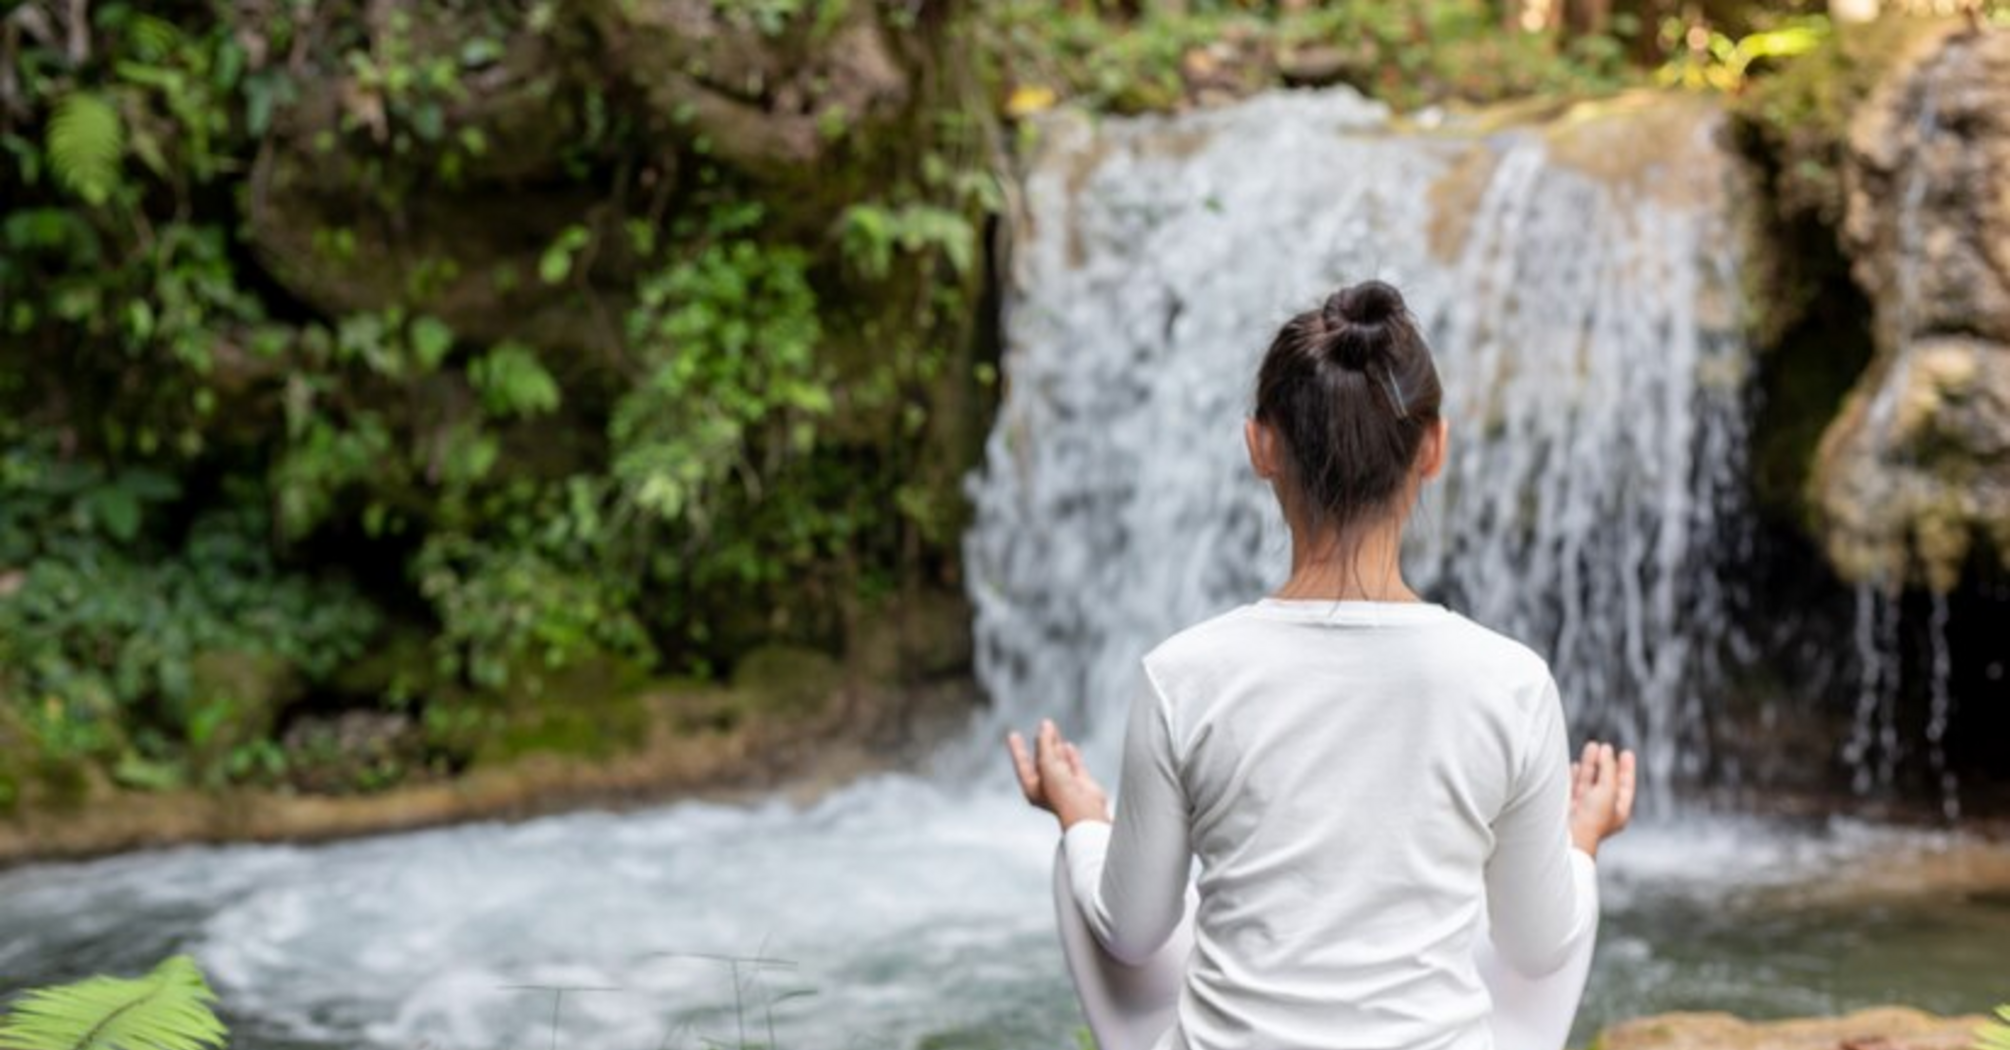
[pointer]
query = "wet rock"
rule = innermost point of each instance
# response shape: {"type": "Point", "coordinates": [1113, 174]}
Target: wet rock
{"type": "Point", "coordinates": [1880, 1028]}
{"type": "Point", "coordinates": [1915, 470]}
{"type": "Point", "coordinates": [1323, 65]}
{"type": "Point", "coordinates": [772, 103]}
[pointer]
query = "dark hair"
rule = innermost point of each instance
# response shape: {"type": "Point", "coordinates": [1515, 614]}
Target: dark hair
{"type": "Point", "coordinates": [1351, 391]}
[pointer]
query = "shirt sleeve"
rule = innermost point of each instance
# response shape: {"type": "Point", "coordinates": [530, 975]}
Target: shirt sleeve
{"type": "Point", "coordinates": [1541, 892]}
{"type": "Point", "coordinates": [1131, 875]}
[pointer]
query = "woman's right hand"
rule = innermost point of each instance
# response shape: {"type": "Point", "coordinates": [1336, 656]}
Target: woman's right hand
{"type": "Point", "coordinates": [1601, 795]}
{"type": "Point", "coordinates": [1054, 778]}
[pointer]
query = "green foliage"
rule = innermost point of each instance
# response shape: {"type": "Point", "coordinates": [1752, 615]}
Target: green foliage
{"type": "Point", "coordinates": [85, 143]}
{"type": "Point", "coordinates": [772, 16]}
{"type": "Point", "coordinates": [510, 614]}
{"type": "Point", "coordinates": [1995, 1035]}
{"type": "Point", "coordinates": [220, 494]}
{"type": "Point", "coordinates": [101, 637]}
{"type": "Point", "coordinates": [1407, 54]}
{"type": "Point", "coordinates": [1799, 115]}
{"type": "Point", "coordinates": [170, 1008]}
{"type": "Point", "coordinates": [872, 233]}
{"type": "Point", "coordinates": [1722, 63]}
{"type": "Point", "coordinates": [512, 382]}
{"type": "Point", "coordinates": [555, 265]}
{"type": "Point", "coordinates": [730, 341]}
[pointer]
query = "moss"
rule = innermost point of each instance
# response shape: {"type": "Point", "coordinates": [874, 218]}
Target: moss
{"type": "Point", "coordinates": [1802, 112]}
{"type": "Point", "coordinates": [593, 709]}
{"type": "Point", "coordinates": [1793, 124]}
{"type": "Point", "coordinates": [12, 773]}
{"type": "Point", "coordinates": [60, 784]}
{"type": "Point", "coordinates": [912, 637]}
{"type": "Point", "coordinates": [1808, 319]}
{"type": "Point", "coordinates": [1942, 539]}
{"type": "Point", "coordinates": [786, 679]}
{"type": "Point", "coordinates": [403, 667]}
{"type": "Point", "coordinates": [234, 699]}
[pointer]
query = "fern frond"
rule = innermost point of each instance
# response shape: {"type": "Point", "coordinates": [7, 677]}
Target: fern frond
{"type": "Point", "coordinates": [85, 141]}
{"type": "Point", "coordinates": [1995, 1035]}
{"type": "Point", "coordinates": [168, 1009]}
{"type": "Point", "coordinates": [153, 38]}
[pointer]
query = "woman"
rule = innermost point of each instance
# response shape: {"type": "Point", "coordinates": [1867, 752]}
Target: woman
{"type": "Point", "coordinates": [1395, 850]}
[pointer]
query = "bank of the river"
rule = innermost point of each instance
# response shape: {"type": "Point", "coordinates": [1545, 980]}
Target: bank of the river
{"type": "Point", "coordinates": [696, 741]}
{"type": "Point", "coordinates": [1880, 1028]}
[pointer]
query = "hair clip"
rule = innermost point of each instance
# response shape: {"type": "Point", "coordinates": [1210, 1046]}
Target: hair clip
{"type": "Point", "coordinates": [1396, 397]}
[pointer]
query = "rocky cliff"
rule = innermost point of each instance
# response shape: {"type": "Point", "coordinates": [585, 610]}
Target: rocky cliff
{"type": "Point", "coordinates": [1914, 473]}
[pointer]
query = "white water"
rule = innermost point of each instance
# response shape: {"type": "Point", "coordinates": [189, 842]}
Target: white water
{"type": "Point", "coordinates": [1592, 380]}
{"type": "Point", "coordinates": [1592, 392]}
{"type": "Point", "coordinates": [918, 914]}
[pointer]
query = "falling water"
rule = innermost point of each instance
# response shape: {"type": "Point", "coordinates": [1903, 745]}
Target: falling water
{"type": "Point", "coordinates": [1873, 748]}
{"type": "Point", "coordinates": [1579, 311]}
{"type": "Point", "coordinates": [1941, 709]}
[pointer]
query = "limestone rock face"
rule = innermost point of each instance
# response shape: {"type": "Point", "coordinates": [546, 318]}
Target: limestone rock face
{"type": "Point", "coordinates": [1880, 1028]}
{"type": "Point", "coordinates": [1915, 470]}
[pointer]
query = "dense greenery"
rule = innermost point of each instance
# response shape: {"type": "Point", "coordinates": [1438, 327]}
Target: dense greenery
{"type": "Point", "coordinates": [420, 360]}
{"type": "Point", "coordinates": [219, 495]}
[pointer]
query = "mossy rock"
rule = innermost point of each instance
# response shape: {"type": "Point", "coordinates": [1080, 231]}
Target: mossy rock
{"type": "Point", "coordinates": [913, 636]}
{"type": "Point", "coordinates": [404, 667]}
{"type": "Point", "coordinates": [1794, 125]}
{"type": "Point", "coordinates": [12, 773]}
{"type": "Point", "coordinates": [235, 698]}
{"type": "Point", "coordinates": [592, 709]}
{"type": "Point", "coordinates": [33, 778]}
{"type": "Point", "coordinates": [786, 679]}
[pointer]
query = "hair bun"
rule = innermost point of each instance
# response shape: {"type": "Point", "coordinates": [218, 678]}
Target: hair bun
{"type": "Point", "coordinates": [1367, 303]}
{"type": "Point", "coordinates": [1356, 320]}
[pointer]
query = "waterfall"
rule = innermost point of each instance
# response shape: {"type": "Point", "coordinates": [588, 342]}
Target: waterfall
{"type": "Point", "coordinates": [1874, 749]}
{"type": "Point", "coordinates": [1577, 284]}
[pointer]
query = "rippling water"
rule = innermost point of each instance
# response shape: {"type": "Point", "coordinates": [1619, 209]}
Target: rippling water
{"type": "Point", "coordinates": [916, 914]}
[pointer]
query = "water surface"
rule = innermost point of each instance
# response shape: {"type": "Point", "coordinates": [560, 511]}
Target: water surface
{"type": "Point", "coordinates": [917, 915]}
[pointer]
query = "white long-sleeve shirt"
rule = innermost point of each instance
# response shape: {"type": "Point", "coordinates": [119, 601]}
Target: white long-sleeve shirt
{"type": "Point", "coordinates": [1365, 784]}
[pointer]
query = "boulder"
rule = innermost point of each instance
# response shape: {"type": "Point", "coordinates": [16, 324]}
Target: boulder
{"type": "Point", "coordinates": [1914, 472]}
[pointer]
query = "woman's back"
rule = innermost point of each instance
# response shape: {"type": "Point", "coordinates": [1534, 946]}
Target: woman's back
{"type": "Point", "coordinates": [1341, 769]}
{"type": "Point", "coordinates": [1367, 784]}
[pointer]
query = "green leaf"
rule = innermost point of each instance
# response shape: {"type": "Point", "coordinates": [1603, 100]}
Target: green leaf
{"type": "Point", "coordinates": [168, 1009]}
{"type": "Point", "coordinates": [513, 382]}
{"type": "Point", "coordinates": [431, 339]}
{"type": "Point", "coordinates": [1994, 1035]}
{"type": "Point", "coordinates": [85, 142]}
{"type": "Point", "coordinates": [556, 263]}
{"type": "Point", "coordinates": [118, 510]}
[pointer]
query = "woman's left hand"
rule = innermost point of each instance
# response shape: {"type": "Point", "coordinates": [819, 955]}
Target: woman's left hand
{"type": "Point", "coordinates": [1054, 778]}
